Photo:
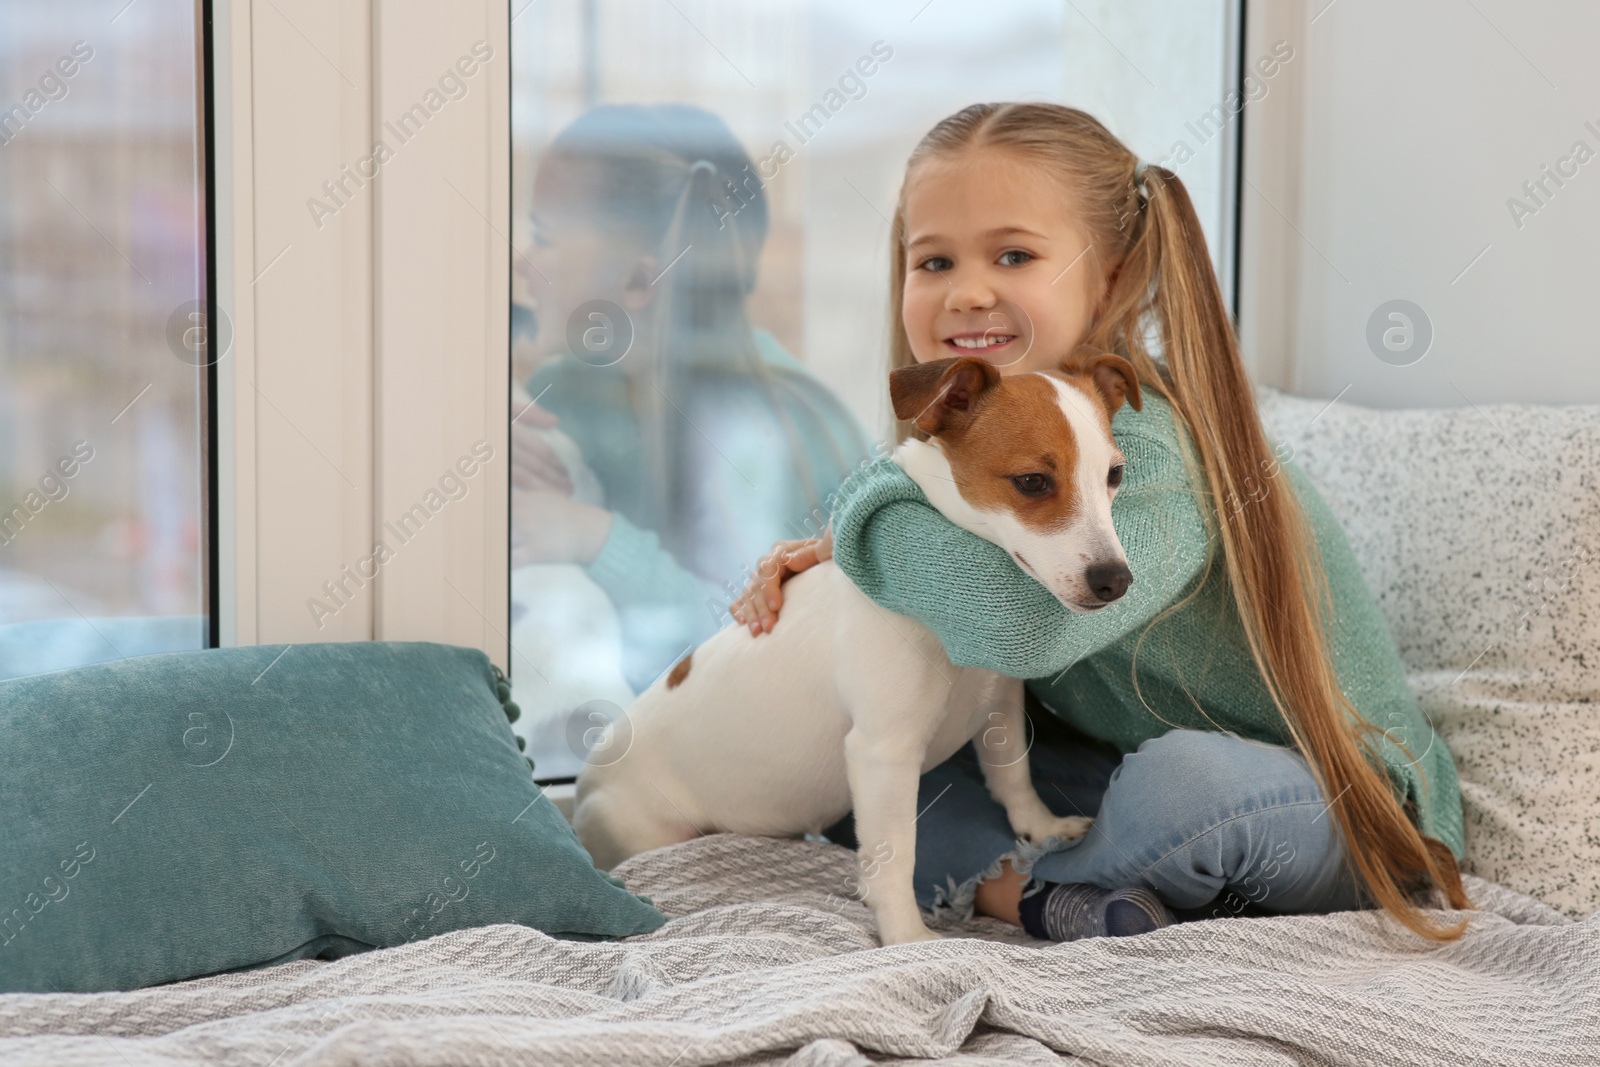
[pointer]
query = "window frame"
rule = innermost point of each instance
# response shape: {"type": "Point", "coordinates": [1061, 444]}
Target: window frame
{"type": "Point", "coordinates": [372, 351]}
{"type": "Point", "coordinates": [212, 582]}
{"type": "Point", "coordinates": [1269, 163]}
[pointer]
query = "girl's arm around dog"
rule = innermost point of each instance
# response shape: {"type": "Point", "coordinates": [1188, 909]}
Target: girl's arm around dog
{"type": "Point", "coordinates": [900, 551]}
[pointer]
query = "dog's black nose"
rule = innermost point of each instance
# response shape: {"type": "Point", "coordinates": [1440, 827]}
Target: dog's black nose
{"type": "Point", "coordinates": [1108, 581]}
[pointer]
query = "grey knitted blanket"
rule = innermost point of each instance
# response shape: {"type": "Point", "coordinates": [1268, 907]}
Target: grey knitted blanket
{"type": "Point", "coordinates": [766, 961]}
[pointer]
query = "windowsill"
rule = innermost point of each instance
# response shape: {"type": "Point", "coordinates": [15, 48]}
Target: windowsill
{"type": "Point", "coordinates": [563, 794]}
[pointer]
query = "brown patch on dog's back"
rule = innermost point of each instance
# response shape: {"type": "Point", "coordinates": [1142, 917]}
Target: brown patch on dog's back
{"type": "Point", "coordinates": [680, 671]}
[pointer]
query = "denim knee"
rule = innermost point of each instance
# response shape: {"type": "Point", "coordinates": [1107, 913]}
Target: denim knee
{"type": "Point", "coordinates": [1196, 811]}
{"type": "Point", "coordinates": [1188, 775]}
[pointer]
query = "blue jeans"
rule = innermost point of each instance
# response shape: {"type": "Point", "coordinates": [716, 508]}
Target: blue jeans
{"type": "Point", "coordinates": [1213, 823]}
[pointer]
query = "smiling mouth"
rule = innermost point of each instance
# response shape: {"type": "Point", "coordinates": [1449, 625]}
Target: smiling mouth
{"type": "Point", "coordinates": [983, 343]}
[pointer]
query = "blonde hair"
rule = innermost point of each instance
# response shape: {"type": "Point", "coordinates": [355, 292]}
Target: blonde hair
{"type": "Point", "coordinates": [1151, 248]}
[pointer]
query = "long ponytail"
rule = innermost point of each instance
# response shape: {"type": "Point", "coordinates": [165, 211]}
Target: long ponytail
{"type": "Point", "coordinates": [704, 336]}
{"type": "Point", "coordinates": [1149, 245]}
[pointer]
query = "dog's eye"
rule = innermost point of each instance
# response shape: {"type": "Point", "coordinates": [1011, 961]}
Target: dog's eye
{"type": "Point", "coordinates": [1114, 479]}
{"type": "Point", "coordinates": [1032, 484]}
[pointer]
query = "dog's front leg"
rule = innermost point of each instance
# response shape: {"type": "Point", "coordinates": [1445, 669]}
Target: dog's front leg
{"type": "Point", "coordinates": [883, 788]}
{"type": "Point", "coordinates": [1002, 748]}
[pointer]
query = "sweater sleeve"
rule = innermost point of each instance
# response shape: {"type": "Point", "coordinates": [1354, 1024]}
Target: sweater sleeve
{"type": "Point", "coordinates": [900, 551]}
{"type": "Point", "coordinates": [1428, 781]}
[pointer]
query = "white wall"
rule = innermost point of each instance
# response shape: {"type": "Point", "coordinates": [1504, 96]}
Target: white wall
{"type": "Point", "coordinates": [1386, 173]}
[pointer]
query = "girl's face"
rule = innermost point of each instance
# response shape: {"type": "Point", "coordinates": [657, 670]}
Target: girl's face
{"type": "Point", "coordinates": [563, 267]}
{"type": "Point", "coordinates": [572, 261]}
{"type": "Point", "coordinates": [996, 266]}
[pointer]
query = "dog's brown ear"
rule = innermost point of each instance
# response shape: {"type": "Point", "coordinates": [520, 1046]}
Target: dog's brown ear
{"type": "Point", "coordinates": [1112, 376]}
{"type": "Point", "coordinates": [940, 395]}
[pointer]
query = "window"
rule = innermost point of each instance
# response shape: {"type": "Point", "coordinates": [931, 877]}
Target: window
{"type": "Point", "coordinates": [690, 388]}
{"type": "Point", "coordinates": [104, 347]}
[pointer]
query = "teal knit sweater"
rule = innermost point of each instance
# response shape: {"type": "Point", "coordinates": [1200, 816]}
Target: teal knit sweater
{"type": "Point", "coordinates": [1194, 668]}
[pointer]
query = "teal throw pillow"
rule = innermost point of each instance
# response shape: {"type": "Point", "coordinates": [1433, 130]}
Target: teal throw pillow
{"type": "Point", "coordinates": [176, 815]}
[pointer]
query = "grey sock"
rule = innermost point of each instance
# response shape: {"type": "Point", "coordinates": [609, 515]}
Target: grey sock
{"type": "Point", "coordinates": [1072, 910]}
{"type": "Point", "coordinates": [1135, 910]}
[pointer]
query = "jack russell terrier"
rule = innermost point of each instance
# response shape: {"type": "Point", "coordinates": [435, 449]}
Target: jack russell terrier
{"type": "Point", "coordinates": [845, 705]}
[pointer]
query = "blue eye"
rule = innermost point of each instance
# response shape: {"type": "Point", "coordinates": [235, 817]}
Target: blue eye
{"type": "Point", "coordinates": [1026, 256]}
{"type": "Point", "coordinates": [928, 264]}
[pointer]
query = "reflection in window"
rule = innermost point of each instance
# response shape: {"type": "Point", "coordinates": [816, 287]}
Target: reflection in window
{"type": "Point", "coordinates": [700, 198]}
{"type": "Point", "coordinates": [667, 439]}
{"type": "Point", "coordinates": [102, 276]}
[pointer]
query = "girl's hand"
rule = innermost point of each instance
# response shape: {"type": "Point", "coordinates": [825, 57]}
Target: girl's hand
{"type": "Point", "coordinates": [758, 607]}
{"type": "Point", "coordinates": [534, 464]}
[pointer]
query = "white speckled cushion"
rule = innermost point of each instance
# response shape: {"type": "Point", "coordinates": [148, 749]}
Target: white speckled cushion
{"type": "Point", "coordinates": [1478, 529]}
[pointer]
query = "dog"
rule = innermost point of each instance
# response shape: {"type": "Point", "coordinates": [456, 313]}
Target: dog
{"type": "Point", "coordinates": [845, 705]}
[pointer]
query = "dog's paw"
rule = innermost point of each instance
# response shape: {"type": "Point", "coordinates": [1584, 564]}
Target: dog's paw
{"type": "Point", "coordinates": [907, 935]}
{"type": "Point", "coordinates": [1065, 829]}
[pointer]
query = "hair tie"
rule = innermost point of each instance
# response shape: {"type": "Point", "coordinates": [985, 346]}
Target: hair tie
{"type": "Point", "coordinates": [1138, 172]}
{"type": "Point", "coordinates": [702, 164]}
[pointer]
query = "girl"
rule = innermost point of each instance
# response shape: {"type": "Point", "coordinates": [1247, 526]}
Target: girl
{"type": "Point", "coordinates": [1239, 721]}
{"type": "Point", "coordinates": [707, 438]}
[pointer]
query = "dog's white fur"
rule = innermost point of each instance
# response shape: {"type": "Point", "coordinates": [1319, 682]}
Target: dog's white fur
{"type": "Point", "coordinates": [845, 705]}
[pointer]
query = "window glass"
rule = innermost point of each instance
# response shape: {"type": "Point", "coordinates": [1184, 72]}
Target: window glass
{"type": "Point", "coordinates": [102, 333]}
{"type": "Point", "coordinates": [690, 385]}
